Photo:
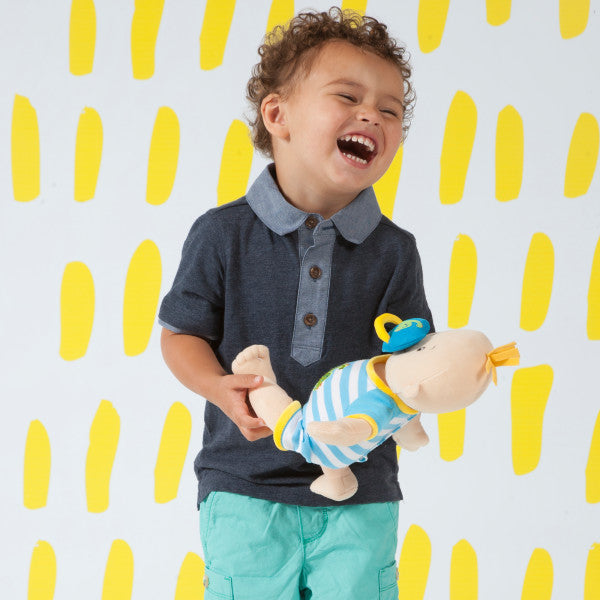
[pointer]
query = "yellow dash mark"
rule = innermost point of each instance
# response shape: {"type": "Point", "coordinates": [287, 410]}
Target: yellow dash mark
{"type": "Point", "coordinates": [537, 282]}
{"type": "Point", "coordinates": [539, 577]}
{"type": "Point", "coordinates": [498, 11]}
{"type": "Point", "coordinates": [592, 574]}
{"type": "Point", "coordinates": [189, 581]}
{"type": "Point", "coordinates": [104, 438]}
{"type": "Point", "coordinates": [387, 186]}
{"type": "Point", "coordinates": [142, 289]}
{"type": "Point", "coordinates": [144, 31]}
{"type": "Point", "coordinates": [573, 16]}
{"type": "Point", "coordinates": [280, 13]}
{"type": "Point", "coordinates": [42, 572]}
{"type": "Point", "coordinates": [164, 152]}
{"type": "Point", "coordinates": [218, 15]}
{"type": "Point", "coordinates": [593, 315]}
{"type": "Point", "coordinates": [82, 37]}
{"type": "Point", "coordinates": [509, 154]}
{"type": "Point", "coordinates": [88, 153]}
{"type": "Point", "coordinates": [529, 395]}
{"type": "Point", "coordinates": [463, 572]}
{"type": "Point", "coordinates": [415, 560]}
{"type": "Point", "coordinates": [172, 453]}
{"type": "Point", "coordinates": [459, 137]}
{"type": "Point", "coordinates": [592, 470]}
{"type": "Point", "coordinates": [118, 576]}
{"type": "Point", "coordinates": [359, 6]}
{"type": "Point", "coordinates": [36, 479]}
{"type": "Point", "coordinates": [76, 310]}
{"type": "Point", "coordinates": [236, 163]}
{"type": "Point", "coordinates": [25, 149]}
{"type": "Point", "coordinates": [431, 21]}
{"type": "Point", "coordinates": [582, 157]}
{"type": "Point", "coordinates": [461, 285]}
{"type": "Point", "coordinates": [451, 428]}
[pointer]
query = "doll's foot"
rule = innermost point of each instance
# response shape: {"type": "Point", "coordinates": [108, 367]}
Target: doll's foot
{"type": "Point", "coordinates": [254, 360]}
{"type": "Point", "coordinates": [335, 484]}
{"type": "Point", "coordinates": [344, 432]}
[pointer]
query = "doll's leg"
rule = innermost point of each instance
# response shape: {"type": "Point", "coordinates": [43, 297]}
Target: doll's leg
{"type": "Point", "coordinates": [269, 400]}
{"type": "Point", "coordinates": [336, 484]}
{"type": "Point", "coordinates": [343, 432]}
{"type": "Point", "coordinates": [412, 436]}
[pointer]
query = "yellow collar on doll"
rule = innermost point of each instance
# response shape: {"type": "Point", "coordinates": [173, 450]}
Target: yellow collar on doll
{"type": "Point", "coordinates": [382, 385]}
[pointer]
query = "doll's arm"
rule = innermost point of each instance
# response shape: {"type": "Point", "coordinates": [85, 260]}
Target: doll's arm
{"type": "Point", "coordinates": [412, 436]}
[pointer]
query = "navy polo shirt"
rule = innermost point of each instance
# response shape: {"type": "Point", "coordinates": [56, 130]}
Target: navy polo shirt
{"type": "Point", "coordinates": [260, 271]}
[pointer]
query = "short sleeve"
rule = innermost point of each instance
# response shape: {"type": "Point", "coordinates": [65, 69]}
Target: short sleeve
{"type": "Point", "coordinates": [194, 304]}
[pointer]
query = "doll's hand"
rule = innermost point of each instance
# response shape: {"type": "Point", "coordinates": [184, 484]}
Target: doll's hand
{"type": "Point", "coordinates": [231, 397]}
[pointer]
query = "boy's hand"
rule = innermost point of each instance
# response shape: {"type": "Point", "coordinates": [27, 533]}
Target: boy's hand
{"type": "Point", "coordinates": [232, 398]}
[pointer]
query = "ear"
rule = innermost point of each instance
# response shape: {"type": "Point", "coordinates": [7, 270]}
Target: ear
{"type": "Point", "coordinates": [410, 391]}
{"type": "Point", "coordinates": [272, 109]}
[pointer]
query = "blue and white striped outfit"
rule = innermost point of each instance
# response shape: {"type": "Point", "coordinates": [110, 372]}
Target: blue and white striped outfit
{"type": "Point", "coordinates": [353, 389]}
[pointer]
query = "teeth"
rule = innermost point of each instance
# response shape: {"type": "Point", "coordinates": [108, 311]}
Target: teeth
{"type": "Point", "coordinates": [361, 140]}
{"type": "Point", "coordinates": [358, 160]}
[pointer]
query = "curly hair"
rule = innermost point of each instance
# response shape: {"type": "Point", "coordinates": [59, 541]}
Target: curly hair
{"type": "Point", "coordinates": [288, 52]}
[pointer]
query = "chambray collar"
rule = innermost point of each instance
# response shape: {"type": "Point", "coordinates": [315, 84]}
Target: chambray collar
{"type": "Point", "coordinates": [355, 222]}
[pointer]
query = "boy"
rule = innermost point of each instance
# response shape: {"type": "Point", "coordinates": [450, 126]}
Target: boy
{"type": "Point", "coordinates": [302, 264]}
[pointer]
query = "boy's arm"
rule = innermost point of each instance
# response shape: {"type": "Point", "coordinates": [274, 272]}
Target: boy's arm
{"type": "Point", "coordinates": [194, 364]}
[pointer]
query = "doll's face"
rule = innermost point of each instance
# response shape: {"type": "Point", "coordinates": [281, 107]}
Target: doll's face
{"type": "Point", "coordinates": [443, 372]}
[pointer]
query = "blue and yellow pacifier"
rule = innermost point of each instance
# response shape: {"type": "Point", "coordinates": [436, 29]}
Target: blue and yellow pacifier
{"type": "Point", "coordinates": [405, 333]}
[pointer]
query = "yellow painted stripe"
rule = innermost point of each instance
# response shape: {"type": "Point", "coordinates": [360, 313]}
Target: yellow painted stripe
{"type": "Point", "coordinates": [280, 13]}
{"type": "Point", "coordinates": [104, 439]}
{"type": "Point", "coordinates": [539, 577]}
{"type": "Point", "coordinates": [573, 17]}
{"type": "Point", "coordinates": [463, 572]}
{"type": "Point", "coordinates": [509, 154]}
{"type": "Point", "coordinates": [593, 314]}
{"type": "Point", "coordinates": [359, 6]}
{"type": "Point", "coordinates": [118, 576]}
{"type": "Point", "coordinates": [387, 187]}
{"type": "Point", "coordinates": [82, 37]}
{"type": "Point", "coordinates": [236, 163]}
{"type": "Point", "coordinates": [592, 469]}
{"type": "Point", "coordinates": [415, 560]}
{"type": "Point", "coordinates": [144, 31]}
{"type": "Point", "coordinates": [77, 302]}
{"type": "Point", "coordinates": [431, 21]}
{"type": "Point", "coordinates": [189, 581]}
{"type": "Point", "coordinates": [36, 475]}
{"type": "Point", "coordinates": [582, 157]}
{"type": "Point", "coordinates": [172, 453]}
{"type": "Point", "coordinates": [592, 574]}
{"type": "Point", "coordinates": [218, 15]}
{"type": "Point", "coordinates": [142, 289]}
{"type": "Point", "coordinates": [498, 11]}
{"type": "Point", "coordinates": [451, 431]}
{"type": "Point", "coordinates": [42, 572]}
{"type": "Point", "coordinates": [25, 149]}
{"type": "Point", "coordinates": [537, 282]}
{"type": "Point", "coordinates": [529, 395]}
{"type": "Point", "coordinates": [461, 284]}
{"type": "Point", "coordinates": [88, 154]}
{"type": "Point", "coordinates": [459, 137]}
{"type": "Point", "coordinates": [164, 153]}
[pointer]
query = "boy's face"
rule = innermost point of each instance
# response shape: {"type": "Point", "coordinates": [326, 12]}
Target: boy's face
{"type": "Point", "coordinates": [342, 122]}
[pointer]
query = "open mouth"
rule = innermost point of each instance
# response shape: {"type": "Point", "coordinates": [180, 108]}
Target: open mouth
{"type": "Point", "coordinates": [358, 148]}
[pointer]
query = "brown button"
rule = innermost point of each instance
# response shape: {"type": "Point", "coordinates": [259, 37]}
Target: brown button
{"type": "Point", "coordinates": [205, 581]}
{"type": "Point", "coordinates": [311, 222]}
{"type": "Point", "coordinates": [315, 272]}
{"type": "Point", "coordinates": [310, 320]}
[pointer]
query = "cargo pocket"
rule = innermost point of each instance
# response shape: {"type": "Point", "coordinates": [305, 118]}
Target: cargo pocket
{"type": "Point", "coordinates": [217, 586]}
{"type": "Point", "coordinates": [388, 583]}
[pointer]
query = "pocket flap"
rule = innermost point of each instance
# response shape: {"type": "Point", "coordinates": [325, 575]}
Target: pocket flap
{"type": "Point", "coordinates": [217, 585]}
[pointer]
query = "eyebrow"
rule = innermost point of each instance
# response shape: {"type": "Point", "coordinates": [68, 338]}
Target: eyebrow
{"type": "Point", "coordinates": [354, 84]}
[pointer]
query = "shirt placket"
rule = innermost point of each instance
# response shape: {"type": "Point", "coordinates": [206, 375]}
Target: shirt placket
{"type": "Point", "coordinates": [316, 239]}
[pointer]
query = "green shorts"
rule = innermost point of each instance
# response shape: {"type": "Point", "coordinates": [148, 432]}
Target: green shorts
{"type": "Point", "coordinates": [256, 549]}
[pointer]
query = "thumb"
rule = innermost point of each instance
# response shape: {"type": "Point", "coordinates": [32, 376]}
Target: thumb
{"type": "Point", "coordinates": [249, 381]}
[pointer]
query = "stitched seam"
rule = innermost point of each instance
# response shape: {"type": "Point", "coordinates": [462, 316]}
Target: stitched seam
{"type": "Point", "coordinates": [322, 530]}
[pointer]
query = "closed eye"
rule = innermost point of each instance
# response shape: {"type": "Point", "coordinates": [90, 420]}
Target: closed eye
{"type": "Point", "coordinates": [347, 97]}
{"type": "Point", "coordinates": [390, 112]}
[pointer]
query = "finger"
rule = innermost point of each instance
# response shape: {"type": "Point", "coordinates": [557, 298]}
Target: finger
{"type": "Point", "coordinates": [252, 435]}
{"type": "Point", "coordinates": [247, 381]}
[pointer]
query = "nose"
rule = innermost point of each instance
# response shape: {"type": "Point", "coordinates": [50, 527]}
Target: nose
{"type": "Point", "coordinates": [368, 114]}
